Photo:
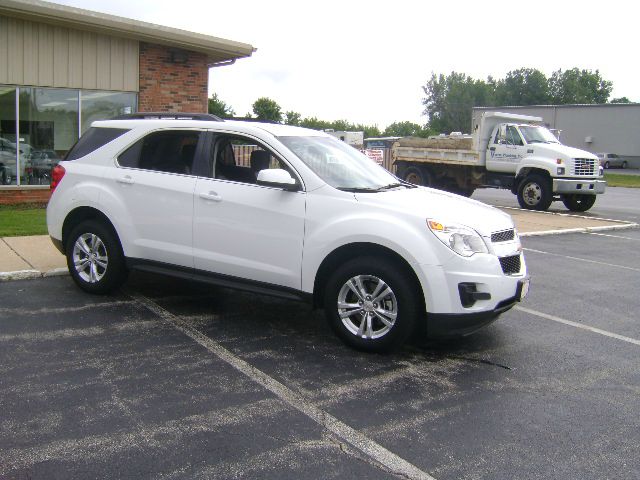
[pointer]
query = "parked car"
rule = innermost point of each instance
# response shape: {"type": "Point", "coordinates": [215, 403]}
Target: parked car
{"type": "Point", "coordinates": [8, 167]}
{"type": "Point", "coordinates": [310, 219]}
{"type": "Point", "coordinates": [611, 160]}
{"type": "Point", "coordinates": [39, 165]}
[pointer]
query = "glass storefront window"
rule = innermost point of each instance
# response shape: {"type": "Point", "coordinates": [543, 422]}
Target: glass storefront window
{"type": "Point", "coordinates": [104, 105]}
{"type": "Point", "coordinates": [8, 153]}
{"type": "Point", "coordinates": [48, 125]}
{"type": "Point", "coordinates": [48, 128]}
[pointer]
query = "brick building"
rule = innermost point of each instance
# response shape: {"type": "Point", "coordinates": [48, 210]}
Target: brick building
{"type": "Point", "coordinates": [61, 68]}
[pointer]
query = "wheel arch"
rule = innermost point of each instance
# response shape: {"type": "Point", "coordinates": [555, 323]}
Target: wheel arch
{"type": "Point", "coordinates": [524, 172]}
{"type": "Point", "coordinates": [359, 249]}
{"type": "Point", "coordinates": [80, 214]}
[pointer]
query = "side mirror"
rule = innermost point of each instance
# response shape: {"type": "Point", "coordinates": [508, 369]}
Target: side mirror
{"type": "Point", "coordinates": [503, 132]}
{"type": "Point", "coordinates": [277, 178]}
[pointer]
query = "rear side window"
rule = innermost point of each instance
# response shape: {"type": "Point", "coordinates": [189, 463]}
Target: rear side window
{"type": "Point", "coordinates": [170, 151]}
{"type": "Point", "coordinates": [93, 139]}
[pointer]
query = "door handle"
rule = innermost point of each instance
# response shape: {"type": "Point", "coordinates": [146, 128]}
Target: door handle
{"type": "Point", "coordinates": [127, 180]}
{"type": "Point", "coordinates": [493, 149]}
{"type": "Point", "coordinates": [213, 196]}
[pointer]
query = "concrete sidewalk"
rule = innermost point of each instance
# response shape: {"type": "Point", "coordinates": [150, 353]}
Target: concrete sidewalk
{"type": "Point", "coordinates": [35, 257]}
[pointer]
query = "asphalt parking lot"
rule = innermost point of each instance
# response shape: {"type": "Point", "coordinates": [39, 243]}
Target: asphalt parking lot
{"type": "Point", "coordinates": [170, 379]}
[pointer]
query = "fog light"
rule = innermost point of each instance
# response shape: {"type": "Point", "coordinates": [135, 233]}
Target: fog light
{"type": "Point", "coordinates": [560, 170]}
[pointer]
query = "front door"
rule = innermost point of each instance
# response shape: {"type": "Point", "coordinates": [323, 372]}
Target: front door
{"type": "Point", "coordinates": [242, 229]}
{"type": "Point", "coordinates": [506, 152]}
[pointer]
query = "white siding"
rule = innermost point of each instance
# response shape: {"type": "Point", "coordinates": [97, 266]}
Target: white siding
{"type": "Point", "coordinates": [37, 54]}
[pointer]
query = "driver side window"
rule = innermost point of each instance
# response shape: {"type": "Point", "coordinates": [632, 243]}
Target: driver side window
{"type": "Point", "coordinates": [239, 159]}
{"type": "Point", "coordinates": [513, 137]}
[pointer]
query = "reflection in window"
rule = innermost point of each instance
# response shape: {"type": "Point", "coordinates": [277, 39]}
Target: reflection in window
{"type": "Point", "coordinates": [105, 105]}
{"type": "Point", "coordinates": [7, 136]}
{"type": "Point", "coordinates": [48, 128]}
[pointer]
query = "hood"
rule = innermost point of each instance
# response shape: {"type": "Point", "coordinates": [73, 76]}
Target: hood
{"type": "Point", "coordinates": [439, 205]}
{"type": "Point", "coordinates": [551, 149]}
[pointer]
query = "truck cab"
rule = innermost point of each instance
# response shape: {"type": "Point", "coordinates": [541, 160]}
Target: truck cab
{"type": "Point", "coordinates": [527, 158]}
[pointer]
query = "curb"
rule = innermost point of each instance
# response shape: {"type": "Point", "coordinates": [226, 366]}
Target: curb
{"type": "Point", "coordinates": [545, 233]}
{"type": "Point", "coordinates": [32, 274]}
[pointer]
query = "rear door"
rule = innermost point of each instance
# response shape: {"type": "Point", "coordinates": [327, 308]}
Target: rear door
{"type": "Point", "coordinates": [155, 184]}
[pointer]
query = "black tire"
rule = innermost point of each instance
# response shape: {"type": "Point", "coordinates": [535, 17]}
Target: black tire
{"type": "Point", "coordinates": [534, 192]}
{"type": "Point", "coordinates": [624, 164]}
{"type": "Point", "coordinates": [364, 328]}
{"type": "Point", "coordinates": [606, 165]}
{"type": "Point", "coordinates": [417, 176]}
{"type": "Point", "coordinates": [93, 242]}
{"type": "Point", "coordinates": [578, 203]}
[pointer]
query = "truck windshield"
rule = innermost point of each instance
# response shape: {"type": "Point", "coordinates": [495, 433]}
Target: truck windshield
{"type": "Point", "coordinates": [533, 134]}
{"type": "Point", "coordinates": [340, 165]}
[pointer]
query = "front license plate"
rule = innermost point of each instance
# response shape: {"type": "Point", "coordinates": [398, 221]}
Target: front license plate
{"type": "Point", "coordinates": [523, 288]}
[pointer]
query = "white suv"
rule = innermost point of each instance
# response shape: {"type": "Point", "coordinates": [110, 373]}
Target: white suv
{"type": "Point", "coordinates": [282, 210]}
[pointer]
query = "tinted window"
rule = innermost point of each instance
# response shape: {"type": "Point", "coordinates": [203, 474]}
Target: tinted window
{"type": "Point", "coordinates": [167, 151]}
{"type": "Point", "coordinates": [239, 159]}
{"type": "Point", "coordinates": [93, 139]}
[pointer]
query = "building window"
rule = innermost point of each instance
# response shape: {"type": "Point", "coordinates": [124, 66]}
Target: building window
{"type": "Point", "coordinates": [103, 105]}
{"type": "Point", "coordinates": [8, 167]}
{"type": "Point", "coordinates": [39, 127]}
{"type": "Point", "coordinates": [48, 128]}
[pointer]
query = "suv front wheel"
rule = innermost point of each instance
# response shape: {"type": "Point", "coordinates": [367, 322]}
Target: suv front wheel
{"type": "Point", "coordinates": [371, 305]}
{"type": "Point", "coordinates": [94, 257]}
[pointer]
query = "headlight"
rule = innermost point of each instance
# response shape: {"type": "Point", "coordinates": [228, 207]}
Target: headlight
{"type": "Point", "coordinates": [463, 240]}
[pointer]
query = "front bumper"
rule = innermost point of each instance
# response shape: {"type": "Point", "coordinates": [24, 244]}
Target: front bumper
{"type": "Point", "coordinates": [442, 326]}
{"type": "Point", "coordinates": [579, 186]}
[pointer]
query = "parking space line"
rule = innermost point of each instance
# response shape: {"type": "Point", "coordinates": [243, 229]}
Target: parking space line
{"type": "Point", "coordinates": [614, 236]}
{"type": "Point", "coordinates": [587, 260]}
{"type": "Point", "coordinates": [370, 448]}
{"type": "Point", "coordinates": [578, 325]}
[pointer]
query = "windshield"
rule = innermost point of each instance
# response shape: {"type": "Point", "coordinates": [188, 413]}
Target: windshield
{"type": "Point", "coordinates": [340, 165]}
{"type": "Point", "coordinates": [533, 134]}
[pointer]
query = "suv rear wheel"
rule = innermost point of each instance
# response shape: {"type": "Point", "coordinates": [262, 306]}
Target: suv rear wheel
{"type": "Point", "coordinates": [371, 305]}
{"type": "Point", "coordinates": [94, 257]}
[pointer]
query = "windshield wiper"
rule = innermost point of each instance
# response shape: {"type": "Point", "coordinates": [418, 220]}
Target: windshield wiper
{"type": "Point", "coordinates": [377, 189]}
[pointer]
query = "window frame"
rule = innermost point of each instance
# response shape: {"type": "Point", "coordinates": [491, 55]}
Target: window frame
{"type": "Point", "coordinates": [200, 148]}
{"type": "Point", "coordinates": [203, 168]}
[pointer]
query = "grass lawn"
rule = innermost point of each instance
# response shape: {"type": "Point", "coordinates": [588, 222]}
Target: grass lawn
{"type": "Point", "coordinates": [16, 220]}
{"type": "Point", "coordinates": [617, 180]}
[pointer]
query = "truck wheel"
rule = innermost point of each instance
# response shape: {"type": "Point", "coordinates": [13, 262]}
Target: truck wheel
{"type": "Point", "coordinates": [94, 258]}
{"type": "Point", "coordinates": [578, 203]}
{"type": "Point", "coordinates": [371, 304]}
{"type": "Point", "coordinates": [417, 176]}
{"type": "Point", "coordinates": [534, 193]}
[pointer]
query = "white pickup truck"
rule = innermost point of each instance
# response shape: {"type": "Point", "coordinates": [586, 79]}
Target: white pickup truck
{"type": "Point", "coordinates": [505, 151]}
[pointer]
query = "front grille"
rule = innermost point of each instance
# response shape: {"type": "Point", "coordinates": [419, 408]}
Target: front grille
{"type": "Point", "coordinates": [503, 236]}
{"type": "Point", "coordinates": [585, 167]}
{"type": "Point", "coordinates": [510, 265]}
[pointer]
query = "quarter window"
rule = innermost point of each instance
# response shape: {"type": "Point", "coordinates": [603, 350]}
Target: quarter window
{"type": "Point", "coordinates": [167, 151]}
{"type": "Point", "coordinates": [92, 140]}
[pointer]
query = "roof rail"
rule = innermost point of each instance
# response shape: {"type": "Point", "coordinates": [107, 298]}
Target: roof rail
{"type": "Point", "coordinates": [168, 116]}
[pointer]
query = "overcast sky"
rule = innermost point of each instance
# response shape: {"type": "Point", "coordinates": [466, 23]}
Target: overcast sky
{"type": "Point", "coordinates": [366, 61]}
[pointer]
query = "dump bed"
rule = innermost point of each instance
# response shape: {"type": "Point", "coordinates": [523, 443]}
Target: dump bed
{"type": "Point", "coordinates": [451, 149]}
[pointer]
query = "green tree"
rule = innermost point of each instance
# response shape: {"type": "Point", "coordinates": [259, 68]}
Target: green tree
{"type": "Point", "coordinates": [448, 100]}
{"type": "Point", "coordinates": [620, 100]}
{"type": "Point", "coordinates": [525, 86]}
{"type": "Point", "coordinates": [220, 108]}
{"type": "Point", "coordinates": [267, 110]}
{"type": "Point", "coordinates": [292, 118]}
{"type": "Point", "coordinates": [405, 129]}
{"type": "Point", "coordinates": [578, 86]}
{"type": "Point", "coordinates": [314, 123]}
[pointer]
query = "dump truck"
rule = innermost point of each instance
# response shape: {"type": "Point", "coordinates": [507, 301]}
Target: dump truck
{"type": "Point", "coordinates": [505, 150]}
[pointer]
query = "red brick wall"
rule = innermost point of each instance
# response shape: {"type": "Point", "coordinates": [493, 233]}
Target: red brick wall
{"type": "Point", "coordinates": [16, 195]}
{"type": "Point", "coordinates": [167, 86]}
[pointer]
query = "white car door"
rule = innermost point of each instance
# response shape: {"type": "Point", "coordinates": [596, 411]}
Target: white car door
{"type": "Point", "coordinates": [154, 184]}
{"type": "Point", "coordinates": [244, 230]}
{"type": "Point", "coordinates": [505, 153]}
